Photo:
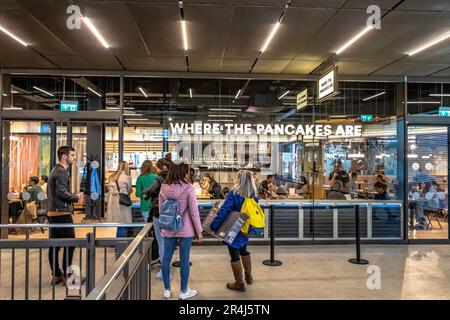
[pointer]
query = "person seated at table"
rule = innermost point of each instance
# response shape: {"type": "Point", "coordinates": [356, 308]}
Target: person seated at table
{"type": "Point", "coordinates": [339, 174]}
{"type": "Point", "coordinates": [381, 189]}
{"type": "Point", "coordinates": [428, 201]}
{"type": "Point", "coordinates": [335, 192]}
{"type": "Point", "coordinates": [225, 192]}
{"type": "Point", "coordinates": [353, 183]}
{"type": "Point", "coordinates": [33, 189]}
{"type": "Point", "coordinates": [263, 187]}
{"type": "Point", "coordinates": [270, 193]}
{"type": "Point", "coordinates": [302, 187]}
{"type": "Point", "coordinates": [213, 187]}
{"type": "Point", "coordinates": [281, 190]}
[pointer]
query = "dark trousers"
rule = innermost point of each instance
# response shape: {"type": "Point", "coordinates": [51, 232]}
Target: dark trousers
{"type": "Point", "coordinates": [56, 233]}
{"type": "Point", "coordinates": [234, 253]}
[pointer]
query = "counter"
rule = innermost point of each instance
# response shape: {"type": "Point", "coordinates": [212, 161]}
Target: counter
{"type": "Point", "coordinates": [325, 219]}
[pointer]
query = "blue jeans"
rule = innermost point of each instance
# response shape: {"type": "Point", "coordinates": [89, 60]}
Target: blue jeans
{"type": "Point", "coordinates": [145, 215]}
{"type": "Point", "coordinates": [159, 238]}
{"type": "Point", "coordinates": [185, 249]}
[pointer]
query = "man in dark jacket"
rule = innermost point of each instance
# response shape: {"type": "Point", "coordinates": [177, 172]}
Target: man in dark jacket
{"type": "Point", "coordinates": [60, 206]}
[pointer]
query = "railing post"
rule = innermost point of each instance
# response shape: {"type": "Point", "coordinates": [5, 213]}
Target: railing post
{"type": "Point", "coordinates": [90, 262]}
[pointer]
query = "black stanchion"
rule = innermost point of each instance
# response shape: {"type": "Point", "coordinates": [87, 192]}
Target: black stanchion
{"type": "Point", "coordinates": [272, 262]}
{"type": "Point", "coordinates": [358, 259]}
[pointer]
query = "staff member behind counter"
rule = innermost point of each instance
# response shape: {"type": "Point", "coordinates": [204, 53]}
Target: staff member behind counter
{"type": "Point", "coordinates": [212, 187]}
{"type": "Point", "coordinates": [339, 174]}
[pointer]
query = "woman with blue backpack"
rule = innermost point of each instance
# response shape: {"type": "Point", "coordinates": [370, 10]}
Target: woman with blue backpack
{"type": "Point", "coordinates": [245, 189]}
{"type": "Point", "coordinates": [179, 221]}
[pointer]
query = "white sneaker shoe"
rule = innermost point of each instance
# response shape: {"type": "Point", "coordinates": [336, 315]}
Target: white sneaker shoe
{"type": "Point", "coordinates": [167, 293]}
{"type": "Point", "coordinates": [188, 294]}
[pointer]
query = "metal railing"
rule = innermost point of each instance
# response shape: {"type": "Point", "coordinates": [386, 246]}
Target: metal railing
{"type": "Point", "coordinates": [22, 271]}
{"type": "Point", "coordinates": [129, 279]}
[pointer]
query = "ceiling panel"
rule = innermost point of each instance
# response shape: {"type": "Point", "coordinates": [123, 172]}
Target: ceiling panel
{"type": "Point", "coordinates": [364, 4]}
{"type": "Point", "coordinates": [424, 28]}
{"type": "Point", "coordinates": [249, 29]}
{"type": "Point", "coordinates": [204, 64]}
{"type": "Point", "coordinates": [24, 60]}
{"type": "Point", "coordinates": [22, 24]}
{"type": "Point", "coordinates": [95, 62]}
{"type": "Point", "coordinates": [443, 73]}
{"type": "Point", "coordinates": [432, 5]}
{"type": "Point", "coordinates": [343, 26]}
{"type": "Point", "coordinates": [236, 65]}
{"type": "Point", "coordinates": [359, 68]}
{"type": "Point", "coordinates": [318, 3]}
{"type": "Point", "coordinates": [270, 66]}
{"type": "Point", "coordinates": [207, 29]}
{"type": "Point", "coordinates": [301, 66]}
{"type": "Point", "coordinates": [279, 3]}
{"type": "Point", "coordinates": [410, 69]}
{"type": "Point", "coordinates": [297, 29]}
{"type": "Point", "coordinates": [394, 28]}
{"type": "Point", "coordinates": [160, 27]}
{"type": "Point", "coordinates": [52, 14]}
{"type": "Point", "coordinates": [170, 64]}
{"type": "Point", "coordinates": [140, 63]}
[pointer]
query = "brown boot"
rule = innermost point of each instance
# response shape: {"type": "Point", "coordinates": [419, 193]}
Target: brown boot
{"type": "Point", "coordinates": [238, 285]}
{"type": "Point", "coordinates": [247, 263]}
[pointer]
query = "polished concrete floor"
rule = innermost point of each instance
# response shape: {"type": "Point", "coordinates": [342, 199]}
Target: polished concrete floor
{"type": "Point", "coordinates": [323, 272]}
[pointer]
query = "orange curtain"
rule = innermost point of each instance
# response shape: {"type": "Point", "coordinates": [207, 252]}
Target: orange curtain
{"type": "Point", "coordinates": [23, 160]}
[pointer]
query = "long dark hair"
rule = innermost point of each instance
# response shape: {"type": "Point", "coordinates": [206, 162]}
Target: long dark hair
{"type": "Point", "coordinates": [177, 174]}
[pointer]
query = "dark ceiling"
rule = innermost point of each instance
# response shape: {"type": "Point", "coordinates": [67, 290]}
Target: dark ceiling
{"type": "Point", "coordinates": [226, 36]}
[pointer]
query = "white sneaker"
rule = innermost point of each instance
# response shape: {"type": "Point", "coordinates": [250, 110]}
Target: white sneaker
{"type": "Point", "coordinates": [167, 293]}
{"type": "Point", "coordinates": [188, 294]}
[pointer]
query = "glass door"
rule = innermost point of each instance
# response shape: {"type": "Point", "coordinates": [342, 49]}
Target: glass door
{"type": "Point", "coordinates": [427, 157]}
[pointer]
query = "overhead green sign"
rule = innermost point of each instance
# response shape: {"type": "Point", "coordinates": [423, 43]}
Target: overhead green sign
{"type": "Point", "coordinates": [366, 117]}
{"type": "Point", "coordinates": [444, 112]}
{"type": "Point", "coordinates": [70, 106]}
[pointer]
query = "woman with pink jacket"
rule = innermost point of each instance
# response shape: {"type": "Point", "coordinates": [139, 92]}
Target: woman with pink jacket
{"type": "Point", "coordinates": [177, 186]}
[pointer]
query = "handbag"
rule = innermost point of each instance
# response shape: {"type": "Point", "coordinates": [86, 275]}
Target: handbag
{"type": "Point", "coordinates": [124, 199]}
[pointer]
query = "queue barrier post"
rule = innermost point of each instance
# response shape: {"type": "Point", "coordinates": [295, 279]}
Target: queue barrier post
{"type": "Point", "coordinates": [358, 259]}
{"type": "Point", "coordinates": [272, 262]}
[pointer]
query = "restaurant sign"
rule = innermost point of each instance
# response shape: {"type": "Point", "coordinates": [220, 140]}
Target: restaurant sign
{"type": "Point", "coordinates": [327, 85]}
{"type": "Point", "coordinates": [199, 128]}
{"type": "Point", "coordinates": [302, 99]}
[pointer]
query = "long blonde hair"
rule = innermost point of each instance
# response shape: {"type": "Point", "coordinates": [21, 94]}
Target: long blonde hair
{"type": "Point", "coordinates": [123, 167]}
{"type": "Point", "coordinates": [245, 185]}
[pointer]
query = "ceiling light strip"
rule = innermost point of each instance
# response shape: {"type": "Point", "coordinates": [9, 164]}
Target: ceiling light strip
{"type": "Point", "coordinates": [190, 92]}
{"type": "Point", "coordinates": [143, 92]}
{"type": "Point", "coordinates": [374, 96]}
{"type": "Point", "coordinates": [431, 43]}
{"type": "Point", "coordinates": [283, 95]}
{"type": "Point", "coordinates": [223, 115]}
{"type": "Point", "coordinates": [93, 91]}
{"type": "Point", "coordinates": [237, 94]}
{"type": "Point", "coordinates": [95, 32]}
{"type": "Point", "coordinates": [439, 94]}
{"type": "Point", "coordinates": [42, 90]}
{"type": "Point", "coordinates": [13, 36]}
{"type": "Point", "coordinates": [272, 33]}
{"type": "Point", "coordinates": [230, 110]}
{"type": "Point", "coordinates": [424, 102]}
{"type": "Point", "coordinates": [218, 120]}
{"type": "Point", "coordinates": [184, 31]}
{"type": "Point", "coordinates": [354, 39]}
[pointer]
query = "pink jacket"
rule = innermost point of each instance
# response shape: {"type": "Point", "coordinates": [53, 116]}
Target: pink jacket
{"type": "Point", "coordinates": [187, 203]}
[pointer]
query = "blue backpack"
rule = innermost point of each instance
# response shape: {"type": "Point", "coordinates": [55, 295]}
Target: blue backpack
{"type": "Point", "coordinates": [169, 216]}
